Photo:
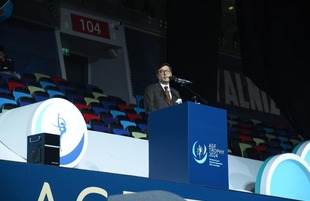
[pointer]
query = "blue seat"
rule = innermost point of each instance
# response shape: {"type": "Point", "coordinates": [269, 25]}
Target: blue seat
{"type": "Point", "coordinates": [98, 125]}
{"type": "Point", "coordinates": [126, 123]}
{"type": "Point", "coordinates": [4, 89]}
{"type": "Point", "coordinates": [139, 110]}
{"type": "Point", "coordinates": [97, 107]}
{"type": "Point", "coordinates": [18, 94]}
{"type": "Point", "coordinates": [108, 120]}
{"type": "Point", "coordinates": [44, 82]}
{"type": "Point", "coordinates": [119, 131]}
{"type": "Point", "coordinates": [23, 101]}
{"type": "Point", "coordinates": [63, 86]}
{"type": "Point", "coordinates": [116, 113]}
{"type": "Point", "coordinates": [28, 78]}
{"type": "Point", "coordinates": [54, 93]}
{"type": "Point", "coordinates": [6, 76]}
{"type": "Point", "coordinates": [6, 98]}
{"type": "Point", "coordinates": [117, 100]}
{"type": "Point", "coordinates": [100, 128]}
{"type": "Point", "coordinates": [93, 88]}
{"type": "Point", "coordinates": [40, 96]}
{"type": "Point", "coordinates": [139, 100]}
{"type": "Point", "coordinates": [72, 95]}
{"type": "Point", "coordinates": [143, 127]}
{"type": "Point", "coordinates": [107, 104]}
{"type": "Point", "coordinates": [116, 124]}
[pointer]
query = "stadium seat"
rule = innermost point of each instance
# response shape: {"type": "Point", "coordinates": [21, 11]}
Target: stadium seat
{"type": "Point", "coordinates": [93, 88]}
{"type": "Point", "coordinates": [139, 135]}
{"type": "Point", "coordinates": [88, 117]}
{"type": "Point", "coordinates": [124, 107]}
{"type": "Point", "coordinates": [44, 82]}
{"type": "Point", "coordinates": [143, 127]}
{"type": "Point", "coordinates": [72, 95]}
{"type": "Point", "coordinates": [53, 93]}
{"type": "Point", "coordinates": [5, 77]}
{"type": "Point", "coordinates": [98, 94]}
{"type": "Point", "coordinates": [15, 83]}
{"type": "Point", "coordinates": [139, 100]}
{"type": "Point", "coordinates": [251, 153]}
{"type": "Point", "coordinates": [40, 75]}
{"type": "Point", "coordinates": [4, 89]}
{"type": "Point", "coordinates": [63, 86]}
{"type": "Point", "coordinates": [119, 131]}
{"type": "Point", "coordinates": [117, 125]}
{"type": "Point", "coordinates": [8, 106]}
{"type": "Point", "coordinates": [27, 78]}
{"type": "Point", "coordinates": [139, 110]}
{"type": "Point", "coordinates": [244, 146]}
{"type": "Point", "coordinates": [97, 107]}
{"type": "Point", "coordinates": [106, 104]}
{"type": "Point", "coordinates": [58, 79]}
{"type": "Point", "coordinates": [19, 94]}
{"type": "Point", "coordinates": [6, 98]}
{"type": "Point", "coordinates": [117, 100]}
{"type": "Point", "coordinates": [108, 120]}
{"type": "Point", "coordinates": [40, 95]}
{"type": "Point", "coordinates": [81, 105]}
{"type": "Point", "coordinates": [126, 123]}
{"type": "Point", "coordinates": [23, 101]}
{"type": "Point", "coordinates": [117, 113]}
{"type": "Point", "coordinates": [32, 88]}
{"type": "Point", "coordinates": [89, 100]}
{"type": "Point", "coordinates": [98, 125]}
{"type": "Point", "coordinates": [133, 117]}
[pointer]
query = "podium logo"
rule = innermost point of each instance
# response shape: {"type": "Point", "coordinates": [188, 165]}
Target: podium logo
{"type": "Point", "coordinates": [199, 152]}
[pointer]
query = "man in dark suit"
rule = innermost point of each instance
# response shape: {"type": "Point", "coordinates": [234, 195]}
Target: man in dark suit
{"type": "Point", "coordinates": [154, 94]}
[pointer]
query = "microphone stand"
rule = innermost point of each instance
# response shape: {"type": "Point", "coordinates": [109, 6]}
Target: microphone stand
{"type": "Point", "coordinates": [195, 94]}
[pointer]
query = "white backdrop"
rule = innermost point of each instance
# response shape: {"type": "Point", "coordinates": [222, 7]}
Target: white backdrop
{"type": "Point", "coordinates": [103, 151]}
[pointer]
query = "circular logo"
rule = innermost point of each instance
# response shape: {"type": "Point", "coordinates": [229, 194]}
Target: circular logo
{"type": "Point", "coordinates": [59, 116]}
{"type": "Point", "coordinates": [199, 152]}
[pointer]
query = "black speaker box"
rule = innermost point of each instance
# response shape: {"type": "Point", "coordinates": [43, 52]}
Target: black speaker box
{"type": "Point", "coordinates": [43, 148]}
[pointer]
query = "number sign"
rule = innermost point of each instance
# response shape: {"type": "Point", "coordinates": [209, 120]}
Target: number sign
{"type": "Point", "coordinates": [90, 26]}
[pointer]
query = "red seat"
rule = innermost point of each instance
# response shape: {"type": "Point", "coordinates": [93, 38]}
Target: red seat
{"type": "Point", "coordinates": [81, 106]}
{"type": "Point", "coordinates": [57, 79]}
{"type": "Point", "coordinates": [124, 107]}
{"type": "Point", "coordinates": [133, 117]}
{"type": "Point", "coordinates": [12, 84]}
{"type": "Point", "coordinates": [88, 117]}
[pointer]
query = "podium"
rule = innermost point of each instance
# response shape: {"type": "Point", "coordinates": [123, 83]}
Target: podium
{"type": "Point", "coordinates": [188, 144]}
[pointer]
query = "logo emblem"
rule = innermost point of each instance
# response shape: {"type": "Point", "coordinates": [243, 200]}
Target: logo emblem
{"type": "Point", "coordinates": [199, 152]}
{"type": "Point", "coordinates": [61, 117]}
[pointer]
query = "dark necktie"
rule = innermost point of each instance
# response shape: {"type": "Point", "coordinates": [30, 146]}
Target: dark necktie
{"type": "Point", "coordinates": [167, 94]}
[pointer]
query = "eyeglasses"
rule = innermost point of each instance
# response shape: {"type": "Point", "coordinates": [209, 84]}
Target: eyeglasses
{"type": "Point", "coordinates": [164, 71]}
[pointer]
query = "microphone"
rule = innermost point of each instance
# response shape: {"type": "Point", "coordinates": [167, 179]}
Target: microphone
{"type": "Point", "coordinates": [180, 80]}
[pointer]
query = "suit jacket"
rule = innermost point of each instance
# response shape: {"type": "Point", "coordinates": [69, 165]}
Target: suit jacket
{"type": "Point", "coordinates": [154, 97]}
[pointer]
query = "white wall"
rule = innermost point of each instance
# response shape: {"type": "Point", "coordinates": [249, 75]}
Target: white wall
{"type": "Point", "coordinates": [129, 156]}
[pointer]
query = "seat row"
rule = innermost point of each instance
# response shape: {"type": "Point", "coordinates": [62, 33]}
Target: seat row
{"type": "Point", "coordinates": [101, 112]}
{"type": "Point", "coordinates": [111, 114]}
